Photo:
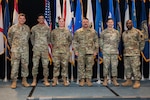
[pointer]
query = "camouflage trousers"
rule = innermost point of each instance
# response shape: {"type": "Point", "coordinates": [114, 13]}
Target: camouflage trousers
{"type": "Point", "coordinates": [132, 67]}
{"type": "Point", "coordinates": [44, 57]}
{"type": "Point", "coordinates": [16, 57]}
{"type": "Point", "coordinates": [60, 59]}
{"type": "Point", "coordinates": [110, 63]}
{"type": "Point", "coordinates": [85, 65]}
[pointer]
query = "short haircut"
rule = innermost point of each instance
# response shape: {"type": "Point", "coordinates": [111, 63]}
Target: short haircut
{"type": "Point", "coordinates": [22, 14]}
{"type": "Point", "coordinates": [85, 18]}
{"type": "Point", "coordinates": [60, 18]}
{"type": "Point", "coordinates": [40, 14]}
{"type": "Point", "coordinates": [109, 19]}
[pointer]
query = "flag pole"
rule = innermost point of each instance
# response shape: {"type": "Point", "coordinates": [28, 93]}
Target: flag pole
{"type": "Point", "coordinates": [149, 37]}
{"type": "Point", "coordinates": [5, 79]}
{"type": "Point", "coordinates": [98, 70]}
{"type": "Point", "coordinates": [72, 73]}
{"type": "Point", "coordinates": [149, 57]}
{"type": "Point", "coordinates": [77, 74]}
{"type": "Point", "coordinates": [142, 70]}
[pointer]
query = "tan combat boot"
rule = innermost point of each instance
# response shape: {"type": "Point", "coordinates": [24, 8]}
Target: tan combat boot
{"type": "Point", "coordinates": [136, 85]}
{"type": "Point", "coordinates": [88, 82]}
{"type": "Point", "coordinates": [81, 83]}
{"type": "Point", "coordinates": [105, 81]}
{"type": "Point", "coordinates": [65, 81]}
{"type": "Point", "coordinates": [34, 82]}
{"type": "Point", "coordinates": [24, 82]}
{"type": "Point", "coordinates": [46, 83]}
{"type": "Point", "coordinates": [128, 82]}
{"type": "Point", "coordinates": [14, 84]}
{"type": "Point", "coordinates": [55, 79]}
{"type": "Point", "coordinates": [114, 81]}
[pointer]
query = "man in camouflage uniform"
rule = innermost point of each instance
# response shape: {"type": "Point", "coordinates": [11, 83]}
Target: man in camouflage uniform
{"type": "Point", "coordinates": [109, 42]}
{"type": "Point", "coordinates": [40, 39]}
{"type": "Point", "coordinates": [133, 42]}
{"type": "Point", "coordinates": [86, 48]}
{"type": "Point", "coordinates": [61, 40]}
{"type": "Point", "coordinates": [18, 36]}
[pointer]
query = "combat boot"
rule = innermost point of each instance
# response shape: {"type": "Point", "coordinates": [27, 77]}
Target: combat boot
{"type": "Point", "coordinates": [34, 81]}
{"type": "Point", "coordinates": [105, 81]}
{"type": "Point", "coordinates": [88, 82]}
{"type": "Point", "coordinates": [136, 85]}
{"type": "Point", "coordinates": [128, 82]}
{"type": "Point", "coordinates": [24, 82]}
{"type": "Point", "coordinates": [46, 83]}
{"type": "Point", "coordinates": [14, 84]}
{"type": "Point", "coordinates": [65, 81]}
{"type": "Point", "coordinates": [114, 81]}
{"type": "Point", "coordinates": [82, 82]}
{"type": "Point", "coordinates": [55, 79]}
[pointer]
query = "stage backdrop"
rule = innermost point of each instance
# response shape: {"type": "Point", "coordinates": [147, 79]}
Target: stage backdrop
{"type": "Point", "coordinates": [33, 7]}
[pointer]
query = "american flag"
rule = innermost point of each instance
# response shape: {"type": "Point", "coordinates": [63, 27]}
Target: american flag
{"type": "Point", "coordinates": [48, 22]}
{"type": "Point", "coordinates": [47, 13]}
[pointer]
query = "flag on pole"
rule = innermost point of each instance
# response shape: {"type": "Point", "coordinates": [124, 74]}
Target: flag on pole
{"type": "Point", "coordinates": [6, 18]}
{"type": "Point", "coordinates": [118, 17]}
{"type": "Point", "coordinates": [143, 20]}
{"type": "Point", "coordinates": [111, 10]}
{"type": "Point", "coordinates": [89, 13]}
{"type": "Point", "coordinates": [144, 30]}
{"type": "Point", "coordinates": [47, 13]}
{"type": "Point", "coordinates": [1, 31]}
{"type": "Point", "coordinates": [71, 26]}
{"type": "Point", "coordinates": [149, 21]}
{"type": "Point", "coordinates": [119, 27]}
{"type": "Point", "coordinates": [99, 23]}
{"type": "Point", "coordinates": [67, 14]}
{"type": "Point", "coordinates": [133, 14]}
{"type": "Point", "coordinates": [48, 22]}
{"type": "Point", "coordinates": [6, 26]}
{"type": "Point", "coordinates": [15, 13]}
{"type": "Point", "coordinates": [78, 16]}
{"type": "Point", "coordinates": [127, 16]}
{"type": "Point", "coordinates": [98, 18]}
{"type": "Point", "coordinates": [65, 9]}
{"type": "Point", "coordinates": [58, 12]}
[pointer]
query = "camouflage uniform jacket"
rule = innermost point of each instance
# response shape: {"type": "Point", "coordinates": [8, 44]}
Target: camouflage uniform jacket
{"type": "Point", "coordinates": [109, 41]}
{"type": "Point", "coordinates": [18, 37]}
{"type": "Point", "coordinates": [61, 40]}
{"type": "Point", "coordinates": [86, 41]}
{"type": "Point", "coordinates": [133, 42]}
{"type": "Point", "coordinates": [40, 37]}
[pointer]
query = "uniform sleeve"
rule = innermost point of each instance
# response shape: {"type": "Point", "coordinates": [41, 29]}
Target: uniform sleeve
{"type": "Point", "coordinates": [32, 37]}
{"type": "Point", "coordinates": [119, 37]}
{"type": "Point", "coordinates": [48, 38]}
{"type": "Point", "coordinates": [69, 38]}
{"type": "Point", "coordinates": [10, 35]}
{"type": "Point", "coordinates": [144, 30]}
{"type": "Point", "coordinates": [51, 37]}
{"type": "Point", "coordinates": [101, 40]}
{"type": "Point", "coordinates": [29, 32]}
{"type": "Point", "coordinates": [96, 42]}
{"type": "Point", "coordinates": [141, 40]}
{"type": "Point", "coordinates": [75, 42]}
